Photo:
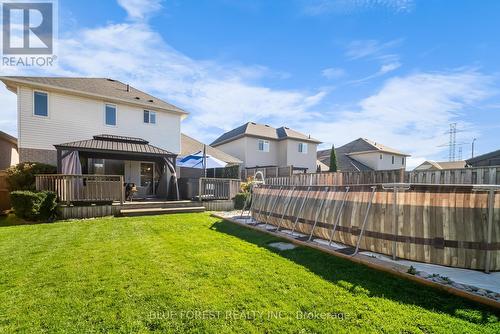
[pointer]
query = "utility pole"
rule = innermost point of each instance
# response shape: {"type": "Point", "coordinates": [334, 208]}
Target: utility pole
{"type": "Point", "coordinates": [453, 141]}
{"type": "Point", "coordinates": [473, 142]}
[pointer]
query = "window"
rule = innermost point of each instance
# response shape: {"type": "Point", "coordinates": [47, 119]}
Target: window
{"type": "Point", "coordinates": [149, 117]}
{"type": "Point", "coordinates": [303, 148]}
{"type": "Point", "coordinates": [402, 160]}
{"type": "Point", "coordinates": [41, 104]}
{"type": "Point", "coordinates": [381, 157]}
{"type": "Point", "coordinates": [393, 160]}
{"type": "Point", "coordinates": [263, 145]}
{"type": "Point", "coordinates": [110, 114]}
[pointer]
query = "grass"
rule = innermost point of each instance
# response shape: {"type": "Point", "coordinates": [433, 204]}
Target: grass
{"type": "Point", "coordinates": [194, 273]}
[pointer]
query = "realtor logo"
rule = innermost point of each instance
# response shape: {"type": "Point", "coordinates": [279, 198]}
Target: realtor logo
{"type": "Point", "coordinates": [28, 28]}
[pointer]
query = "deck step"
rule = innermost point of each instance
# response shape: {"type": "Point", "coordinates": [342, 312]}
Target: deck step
{"type": "Point", "coordinates": [160, 211]}
{"type": "Point", "coordinates": [158, 204]}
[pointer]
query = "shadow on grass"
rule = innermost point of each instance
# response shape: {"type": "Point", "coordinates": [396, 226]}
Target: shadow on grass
{"type": "Point", "coordinates": [11, 220]}
{"type": "Point", "coordinates": [357, 278]}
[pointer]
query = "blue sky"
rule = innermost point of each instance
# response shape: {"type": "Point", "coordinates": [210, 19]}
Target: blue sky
{"type": "Point", "coordinates": [395, 71]}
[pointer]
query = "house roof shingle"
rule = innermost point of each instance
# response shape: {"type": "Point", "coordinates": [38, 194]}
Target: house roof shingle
{"type": "Point", "coordinates": [262, 131]}
{"type": "Point", "coordinates": [190, 145]}
{"type": "Point", "coordinates": [98, 87]}
{"type": "Point", "coordinates": [7, 137]}
{"type": "Point", "coordinates": [429, 164]}
{"type": "Point", "coordinates": [486, 156]}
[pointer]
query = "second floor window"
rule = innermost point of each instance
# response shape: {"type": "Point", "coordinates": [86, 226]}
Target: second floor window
{"type": "Point", "coordinates": [393, 160]}
{"type": "Point", "coordinates": [303, 148]}
{"type": "Point", "coordinates": [41, 104]}
{"type": "Point", "coordinates": [263, 145]}
{"type": "Point", "coordinates": [403, 160]}
{"type": "Point", "coordinates": [149, 117]}
{"type": "Point", "coordinates": [110, 116]}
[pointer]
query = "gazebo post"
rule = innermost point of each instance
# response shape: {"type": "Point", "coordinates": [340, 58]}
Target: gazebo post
{"type": "Point", "coordinates": [59, 161]}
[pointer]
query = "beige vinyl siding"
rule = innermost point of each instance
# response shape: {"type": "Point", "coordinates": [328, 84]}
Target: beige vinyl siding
{"type": "Point", "coordinates": [73, 118]}
{"type": "Point", "coordinates": [298, 159]}
{"type": "Point", "coordinates": [373, 160]}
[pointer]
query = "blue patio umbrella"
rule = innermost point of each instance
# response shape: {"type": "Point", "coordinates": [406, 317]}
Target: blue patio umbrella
{"type": "Point", "coordinates": [195, 160]}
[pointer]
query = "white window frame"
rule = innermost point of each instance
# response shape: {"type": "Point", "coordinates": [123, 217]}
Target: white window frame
{"type": "Point", "coordinates": [149, 117]}
{"type": "Point", "coordinates": [48, 103]}
{"type": "Point", "coordinates": [265, 143]}
{"type": "Point", "coordinates": [116, 114]}
{"type": "Point", "coordinates": [301, 148]}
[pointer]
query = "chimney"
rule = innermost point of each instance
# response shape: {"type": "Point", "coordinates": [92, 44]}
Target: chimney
{"type": "Point", "coordinates": [128, 88]}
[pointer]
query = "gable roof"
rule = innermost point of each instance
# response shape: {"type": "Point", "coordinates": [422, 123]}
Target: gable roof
{"type": "Point", "coordinates": [9, 138]}
{"type": "Point", "coordinates": [103, 88]}
{"type": "Point", "coordinates": [345, 161]}
{"type": "Point", "coordinates": [262, 131]}
{"type": "Point", "coordinates": [486, 156]}
{"type": "Point", "coordinates": [430, 164]}
{"type": "Point", "coordinates": [363, 145]}
{"type": "Point", "coordinates": [190, 145]}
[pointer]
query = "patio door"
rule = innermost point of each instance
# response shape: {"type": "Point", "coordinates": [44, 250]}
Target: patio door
{"type": "Point", "coordinates": [147, 178]}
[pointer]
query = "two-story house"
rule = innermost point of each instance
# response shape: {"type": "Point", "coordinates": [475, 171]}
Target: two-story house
{"type": "Point", "coordinates": [365, 155]}
{"type": "Point", "coordinates": [114, 128]}
{"type": "Point", "coordinates": [259, 145]}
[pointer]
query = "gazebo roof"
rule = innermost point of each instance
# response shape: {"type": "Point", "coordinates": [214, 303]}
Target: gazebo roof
{"type": "Point", "coordinates": [115, 144]}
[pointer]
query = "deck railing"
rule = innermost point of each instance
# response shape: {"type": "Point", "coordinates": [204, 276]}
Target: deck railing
{"type": "Point", "coordinates": [83, 188]}
{"type": "Point", "coordinates": [217, 189]}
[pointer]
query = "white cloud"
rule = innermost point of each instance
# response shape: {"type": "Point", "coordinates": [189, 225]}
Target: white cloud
{"type": "Point", "coordinates": [384, 69]}
{"type": "Point", "coordinates": [333, 73]}
{"type": "Point", "coordinates": [140, 9]}
{"type": "Point", "coordinates": [320, 7]}
{"type": "Point", "coordinates": [371, 48]}
{"type": "Point", "coordinates": [411, 113]}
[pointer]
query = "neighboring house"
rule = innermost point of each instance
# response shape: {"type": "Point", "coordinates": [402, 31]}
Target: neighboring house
{"type": "Point", "coordinates": [321, 167]}
{"type": "Point", "coordinates": [189, 145]}
{"type": "Point", "coordinates": [8, 151]}
{"type": "Point", "coordinates": [438, 165]}
{"type": "Point", "coordinates": [259, 145]}
{"type": "Point", "coordinates": [485, 160]}
{"type": "Point", "coordinates": [365, 155]}
{"type": "Point", "coordinates": [115, 128]}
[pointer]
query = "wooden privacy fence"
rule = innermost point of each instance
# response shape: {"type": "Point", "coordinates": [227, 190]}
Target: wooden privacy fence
{"type": "Point", "coordinates": [4, 192]}
{"type": "Point", "coordinates": [478, 175]}
{"type": "Point", "coordinates": [449, 225]}
{"type": "Point", "coordinates": [338, 178]}
{"type": "Point", "coordinates": [217, 189]}
{"type": "Point", "coordinates": [267, 172]}
{"type": "Point", "coordinates": [481, 175]}
{"type": "Point", "coordinates": [83, 188]}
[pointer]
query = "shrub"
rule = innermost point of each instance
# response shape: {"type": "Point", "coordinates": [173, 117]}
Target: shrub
{"type": "Point", "coordinates": [48, 209]}
{"type": "Point", "coordinates": [34, 206]}
{"type": "Point", "coordinates": [239, 200]}
{"type": "Point", "coordinates": [22, 175]}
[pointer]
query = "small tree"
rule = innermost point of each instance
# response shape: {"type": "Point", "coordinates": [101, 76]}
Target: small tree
{"type": "Point", "coordinates": [333, 160]}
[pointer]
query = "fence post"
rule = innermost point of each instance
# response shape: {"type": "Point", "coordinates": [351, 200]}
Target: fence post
{"type": "Point", "coordinates": [199, 189]}
{"type": "Point", "coordinates": [122, 190]}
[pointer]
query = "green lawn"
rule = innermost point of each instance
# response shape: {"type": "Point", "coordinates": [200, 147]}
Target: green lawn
{"type": "Point", "coordinates": [194, 273]}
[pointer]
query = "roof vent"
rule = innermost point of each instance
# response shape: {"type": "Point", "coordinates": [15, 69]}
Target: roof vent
{"type": "Point", "coordinates": [137, 98]}
{"type": "Point", "coordinates": [267, 125]}
{"type": "Point", "coordinates": [150, 101]}
{"type": "Point", "coordinates": [128, 88]}
{"type": "Point", "coordinates": [253, 123]}
{"type": "Point", "coordinates": [111, 80]}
